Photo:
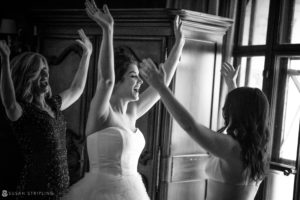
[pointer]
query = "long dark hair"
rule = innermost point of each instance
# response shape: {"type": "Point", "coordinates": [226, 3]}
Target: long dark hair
{"type": "Point", "coordinates": [24, 69]}
{"type": "Point", "coordinates": [124, 56]}
{"type": "Point", "coordinates": [246, 113]}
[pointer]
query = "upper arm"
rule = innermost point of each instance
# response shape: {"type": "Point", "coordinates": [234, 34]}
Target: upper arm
{"type": "Point", "coordinates": [68, 98]}
{"type": "Point", "coordinates": [218, 144]}
{"type": "Point", "coordinates": [147, 99]}
{"type": "Point", "coordinates": [99, 106]}
{"type": "Point", "coordinates": [150, 96]}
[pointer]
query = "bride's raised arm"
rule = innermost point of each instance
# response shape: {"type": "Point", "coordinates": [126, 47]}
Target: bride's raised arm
{"type": "Point", "coordinates": [150, 96]}
{"type": "Point", "coordinates": [99, 106]}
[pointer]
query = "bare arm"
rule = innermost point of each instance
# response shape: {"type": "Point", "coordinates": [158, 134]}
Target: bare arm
{"type": "Point", "coordinates": [218, 144]}
{"type": "Point", "coordinates": [150, 96]}
{"type": "Point", "coordinates": [73, 93]}
{"type": "Point", "coordinates": [12, 108]}
{"type": "Point", "coordinates": [230, 74]}
{"type": "Point", "coordinates": [99, 107]}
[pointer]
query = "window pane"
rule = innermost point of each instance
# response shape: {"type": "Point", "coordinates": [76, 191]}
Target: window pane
{"type": "Point", "coordinates": [255, 22]}
{"type": "Point", "coordinates": [194, 90]}
{"type": "Point", "coordinates": [291, 21]}
{"type": "Point", "coordinates": [251, 72]}
{"type": "Point", "coordinates": [291, 115]}
{"type": "Point", "coordinates": [279, 186]}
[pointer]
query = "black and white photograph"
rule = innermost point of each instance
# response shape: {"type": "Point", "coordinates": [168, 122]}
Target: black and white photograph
{"type": "Point", "coordinates": [150, 100]}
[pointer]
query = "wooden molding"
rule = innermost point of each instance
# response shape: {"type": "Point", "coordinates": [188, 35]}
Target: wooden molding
{"type": "Point", "coordinates": [191, 19]}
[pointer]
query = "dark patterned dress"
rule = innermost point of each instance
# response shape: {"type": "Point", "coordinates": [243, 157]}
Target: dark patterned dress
{"type": "Point", "coordinates": [42, 139]}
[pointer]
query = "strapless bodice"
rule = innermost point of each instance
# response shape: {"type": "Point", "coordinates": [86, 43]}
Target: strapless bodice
{"type": "Point", "coordinates": [115, 150]}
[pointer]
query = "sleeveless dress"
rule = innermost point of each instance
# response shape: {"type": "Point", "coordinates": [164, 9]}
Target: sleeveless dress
{"type": "Point", "coordinates": [113, 155]}
{"type": "Point", "coordinates": [42, 140]}
{"type": "Point", "coordinates": [227, 184]}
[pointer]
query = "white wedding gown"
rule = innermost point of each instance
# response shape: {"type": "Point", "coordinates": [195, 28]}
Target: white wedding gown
{"type": "Point", "coordinates": [113, 155]}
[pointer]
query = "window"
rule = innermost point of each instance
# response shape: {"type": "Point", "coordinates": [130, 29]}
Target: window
{"type": "Point", "coordinates": [272, 62]}
{"type": "Point", "coordinates": [291, 113]}
{"type": "Point", "coordinates": [290, 23]}
{"type": "Point", "coordinates": [255, 22]}
{"type": "Point", "coordinates": [251, 71]}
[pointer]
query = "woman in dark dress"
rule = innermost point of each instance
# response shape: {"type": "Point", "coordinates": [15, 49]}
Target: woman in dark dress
{"type": "Point", "coordinates": [37, 119]}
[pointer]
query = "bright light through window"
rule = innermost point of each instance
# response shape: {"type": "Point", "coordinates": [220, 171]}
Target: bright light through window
{"type": "Point", "coordinates": [296, 23]}
{"type": "Point", "coordinates": [290, 128]}
{"type": "Point", "coordinates": [251, 72]}
{"type": "Point", "coordinates": [255, 29]}
{"type": "Point", "coordinates": [280, 186]}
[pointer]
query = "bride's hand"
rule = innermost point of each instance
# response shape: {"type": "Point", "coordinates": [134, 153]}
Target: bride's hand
{"type": "Point", "coordinates": [178, 30]}
{"type": "Point", "coordinates": [103, 19]}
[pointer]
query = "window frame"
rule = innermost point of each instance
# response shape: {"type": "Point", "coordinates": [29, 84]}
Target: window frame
{"type": "Point", "coordinates": [273, 50]}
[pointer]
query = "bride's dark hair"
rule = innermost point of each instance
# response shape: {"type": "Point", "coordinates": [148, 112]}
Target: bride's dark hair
{"type": "Point", "coordinates": [246, 115]}
{"type": "Point", "coordinates": [124, 56]}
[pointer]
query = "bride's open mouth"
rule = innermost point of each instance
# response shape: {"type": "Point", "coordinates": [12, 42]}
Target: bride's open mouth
{"type": "Point", "coordinates": [136, 89]}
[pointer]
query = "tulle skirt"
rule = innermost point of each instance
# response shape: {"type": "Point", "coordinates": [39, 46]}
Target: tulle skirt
{"type": "Point", "coordinates": [100, 186]}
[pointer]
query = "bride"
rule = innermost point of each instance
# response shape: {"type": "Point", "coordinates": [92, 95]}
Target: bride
{"type": "Point", "coordinates": [114, 143]}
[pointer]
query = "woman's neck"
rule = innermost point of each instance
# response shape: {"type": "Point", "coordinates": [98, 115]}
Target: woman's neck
{"type": "Point", "coordinates": [40, 101]}
{"type": "Point", "coordinates": [118, 104]}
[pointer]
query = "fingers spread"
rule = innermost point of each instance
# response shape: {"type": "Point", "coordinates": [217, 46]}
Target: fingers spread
{"type": "Point", "coordinates": [238, 68]}
{"type": "Point", "coordinates": [89, 6]}
{"type": "Point", "coordinates": [224, 72]}
{"type": "Point", "coordinates": [176, 22]}
{"type": "Point", "coordinates": [80, 42]}
{"type": "Point", "coordinates": [105, 9]}
{"type": "Point", "coordinates": [94, 4]}
{"type": "Point", "coordinates": [180, 26]}
{"type": "Point", "coordinates": [150, 61]}
{"type": "Point", "coordinates": [162, 69]}
{"type": "Point", "coordinates": [81, 34]}
{"type": "Point", "coordinates": [143, 73]}
{"type": "Point", "coordinates": [226, 67]}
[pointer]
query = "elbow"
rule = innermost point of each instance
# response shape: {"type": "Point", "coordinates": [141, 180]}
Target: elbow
{"type": "Point", "coordinates": [78, 89]}
{"type": "Point", "coordinates": [107, 83]}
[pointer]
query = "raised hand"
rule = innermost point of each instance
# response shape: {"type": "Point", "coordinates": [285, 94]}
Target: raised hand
{"type": "Point", "coordinates": [84, 42]}
{"type": "Point", "coordinates": [230, 74]}
{"type": "Point", "coordinates": [153, 76]}
{"type": "Point", "coordinates": [4, 50]}
{"type": "Point", "coordinates": [103, 19]}
{"type": "Point", "coordinates": [178, 29]}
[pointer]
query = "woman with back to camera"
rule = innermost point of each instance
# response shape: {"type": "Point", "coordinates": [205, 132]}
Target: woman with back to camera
{"type": "Point", "coordinates": [238, 159]}
{"type": "Point", "coordinates": [37, 120]}
{"type": "Point", "coordinates": [113, 141]}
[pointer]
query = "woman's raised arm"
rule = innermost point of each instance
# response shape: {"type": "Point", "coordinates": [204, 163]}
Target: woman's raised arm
{"type": "Point", "coordinates": [12, 108]}
{"type": "Point", "coordinates": [218, 144]}
{"type": "Point", "coordinates": [150, 96]}
{"type": "Point", "coordinates": [230, 74]}
{"type": "Point", "coordinates": [99, 107]}
{"type": "Point", "coordinates": [72, 94]}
